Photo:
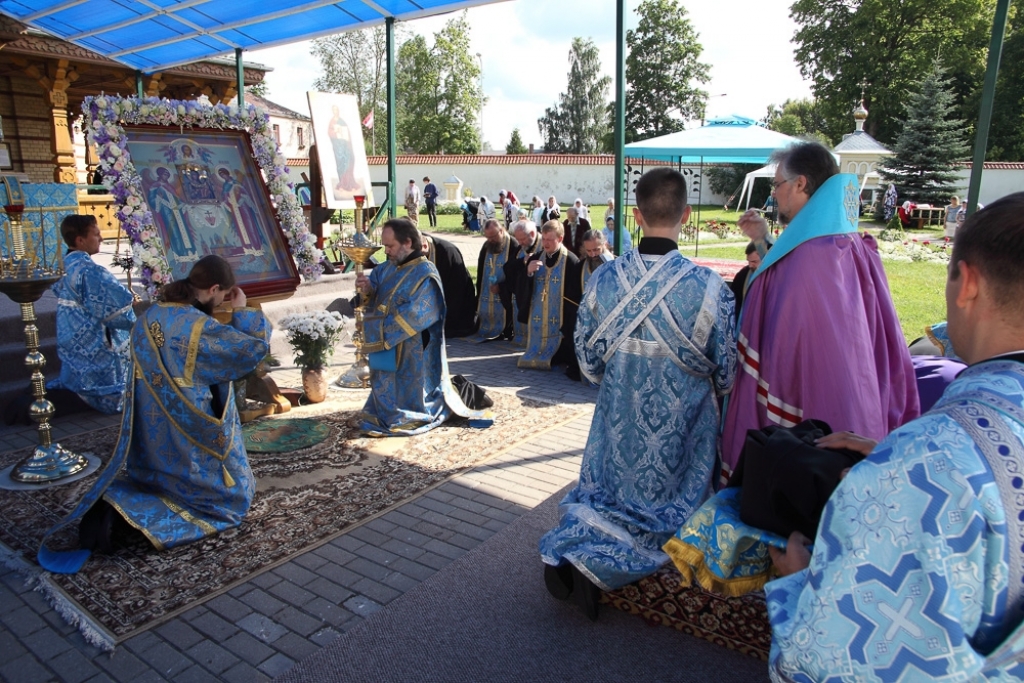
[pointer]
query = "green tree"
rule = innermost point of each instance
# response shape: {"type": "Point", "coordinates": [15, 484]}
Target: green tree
{"type": "Point", "coordinates": [923, 167]}
{"type": "Point", "coordinates": [355, 62]}
{"type": "Point", "coordinates": [1006, 137]}
{"type": "Point", "coordinates": [515, 144]}
{"type": "Point", "coordinates": [800, 118]}
{"type": "Point", "coordinates": [662, 70]}
{"type": "Point", "coordinates": [438, 92]}
{"type": "Point", "coordinates": [577, 124]}
{"type": "Point", "coordinates": [889, 45]}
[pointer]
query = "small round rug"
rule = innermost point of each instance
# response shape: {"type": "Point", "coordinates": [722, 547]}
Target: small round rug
{"type": "Point", "coordinates": [283, 435]}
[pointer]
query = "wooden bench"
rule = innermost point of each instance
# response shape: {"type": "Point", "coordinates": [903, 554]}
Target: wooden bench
{"type": "Point", "coordinates": [928, 216]}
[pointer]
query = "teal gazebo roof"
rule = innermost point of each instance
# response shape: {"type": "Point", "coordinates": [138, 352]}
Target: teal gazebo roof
{"type": "Point", "coordinates": [153, 35]}
{"type": "Point", "coordinates": [731, 140]}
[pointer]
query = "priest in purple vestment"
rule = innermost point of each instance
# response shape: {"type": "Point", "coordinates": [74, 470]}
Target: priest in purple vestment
{"type": "Point", "coordinates": [818, 334]}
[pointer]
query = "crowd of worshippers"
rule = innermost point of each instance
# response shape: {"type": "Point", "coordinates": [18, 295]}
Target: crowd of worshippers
{"type": "Point", "coordinates": [794, 446]}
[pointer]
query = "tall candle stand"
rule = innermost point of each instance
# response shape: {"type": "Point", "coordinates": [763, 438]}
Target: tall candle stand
{"type": "Point", "coordinates": [24, 278]}
{"type": "Point", "coordinates": [359, 247]}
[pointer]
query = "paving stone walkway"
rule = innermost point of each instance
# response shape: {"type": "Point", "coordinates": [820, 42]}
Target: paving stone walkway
{"type": "Point", "coordinates": [259, 629]}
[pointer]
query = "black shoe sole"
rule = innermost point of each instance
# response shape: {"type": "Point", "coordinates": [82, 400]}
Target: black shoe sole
{"type": "Point", "coordinates": [558, 581]}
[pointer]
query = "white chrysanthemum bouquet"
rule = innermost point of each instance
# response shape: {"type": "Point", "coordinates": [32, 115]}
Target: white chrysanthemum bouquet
{"type": "Point", "coordinates": [313, 336]}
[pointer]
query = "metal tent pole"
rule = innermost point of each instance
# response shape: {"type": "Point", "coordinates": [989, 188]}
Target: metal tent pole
{"type": "Point", "coordinates": [392, 204]}
{"type": "Point", "coordinates": [618, 189]}
{"type": "Point", "coordinates": [988, 96]}
{"type": "Point", "coordinates": [240, 71]}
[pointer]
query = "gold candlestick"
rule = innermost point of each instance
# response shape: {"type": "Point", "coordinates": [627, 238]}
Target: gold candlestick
{"type": "Point", "coordinates": [24, 278]}
{"type": "Point", "coordinates": [359, 247]}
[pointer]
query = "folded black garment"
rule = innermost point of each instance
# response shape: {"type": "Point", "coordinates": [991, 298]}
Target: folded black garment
{"type": "Point", "coordinates": [786, 479]}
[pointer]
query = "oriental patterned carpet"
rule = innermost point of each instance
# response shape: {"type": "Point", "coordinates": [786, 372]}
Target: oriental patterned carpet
{"type": "Point", "coordinates": [304, 498]}
{"type": "Point", "coordinates": [736, 623]}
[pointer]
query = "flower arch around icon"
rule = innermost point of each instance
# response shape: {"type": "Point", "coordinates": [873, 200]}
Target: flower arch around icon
{"type": "Point", "coordinates": [105, 118]}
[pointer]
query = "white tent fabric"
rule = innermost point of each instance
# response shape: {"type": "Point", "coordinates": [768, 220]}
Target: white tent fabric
{"type": "Point", "coordinates": [769, 172]}
{"type": "Point", "coordinates": [748, 182]}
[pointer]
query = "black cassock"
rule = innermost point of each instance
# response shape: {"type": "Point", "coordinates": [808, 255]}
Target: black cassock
{"type": "Point", "coordinates": [459, 289]}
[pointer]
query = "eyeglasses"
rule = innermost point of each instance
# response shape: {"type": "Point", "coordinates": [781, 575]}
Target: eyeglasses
{"type": "Point", "coordinates": [776, 184]}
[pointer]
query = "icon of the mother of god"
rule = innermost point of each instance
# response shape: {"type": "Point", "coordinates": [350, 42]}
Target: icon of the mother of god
{"type": "Point", "coordinates": [344, 157]}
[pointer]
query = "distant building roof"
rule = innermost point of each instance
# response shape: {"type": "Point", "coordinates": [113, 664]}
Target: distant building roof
{"type": "Point", "coordinates": [860, 142]}
{"type": "Point", "coordinates": [273, 108]}
{"type": "Point", "coordinates": [1006, 165]}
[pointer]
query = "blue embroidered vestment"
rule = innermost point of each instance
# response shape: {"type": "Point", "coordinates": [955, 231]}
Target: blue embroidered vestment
{"type": "Point", "coordinates": [917, 569]}
{"type": "Point", "coordinates": [94, 319]}
{"type": "Point", "coordinates": [657, 333]}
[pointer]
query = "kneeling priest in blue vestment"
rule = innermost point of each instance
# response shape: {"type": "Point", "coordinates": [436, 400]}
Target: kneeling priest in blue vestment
{"type": "Point", "coordinates": [916, 572]}
{"type": "Point", "coordinates": [656, 331]}
{"type": "Point", "coordinates": [185, 473]}
{"type": "Point", "coordinates": [404, 337]}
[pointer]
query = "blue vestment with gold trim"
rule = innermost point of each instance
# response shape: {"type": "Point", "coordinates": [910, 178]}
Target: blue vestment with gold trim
{"type": "Point", "coordinates": [185, 472]}
{"type": "Point", "coordinates": [405, 315]}
{"type": "Point", "coordinates": [544, 328]}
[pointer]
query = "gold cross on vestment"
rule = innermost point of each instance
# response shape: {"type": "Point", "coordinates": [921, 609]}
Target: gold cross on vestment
{"type": "Point", "coordinates": [157, 334]}
{"type": "Point", "coordinates": [180, 345]}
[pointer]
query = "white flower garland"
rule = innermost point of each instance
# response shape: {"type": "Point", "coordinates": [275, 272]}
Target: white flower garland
{"type": "Point", "coordinates": [106, 116]}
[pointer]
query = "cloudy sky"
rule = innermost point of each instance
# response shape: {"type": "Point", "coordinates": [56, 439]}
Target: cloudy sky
{"type": "Point", "coordinates": [524, 47]}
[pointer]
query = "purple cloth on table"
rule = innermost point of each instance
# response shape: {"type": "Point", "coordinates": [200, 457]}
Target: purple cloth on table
{"type": "Point", "coordinates": [819, 338]}
{"type": "Point", "coordinates": [934, 374]}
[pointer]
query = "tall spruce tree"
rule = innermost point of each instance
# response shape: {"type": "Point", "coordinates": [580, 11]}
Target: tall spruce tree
{"type": "Point", "coordinates": [515, 144]}
{"type": "Point", "coordinates": [577, 124]}
{"type": "Point", "coordinates": [923, 167]}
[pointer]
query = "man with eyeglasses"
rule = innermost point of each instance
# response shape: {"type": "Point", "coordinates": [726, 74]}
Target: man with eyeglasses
{"type": "Point", "coordinates": [819, 337]}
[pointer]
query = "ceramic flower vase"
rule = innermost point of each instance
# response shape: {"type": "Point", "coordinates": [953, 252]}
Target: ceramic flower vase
{"type": "Point", "coordinates": [314, 384]}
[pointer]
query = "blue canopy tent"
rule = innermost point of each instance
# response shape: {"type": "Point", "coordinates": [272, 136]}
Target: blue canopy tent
{"type": "Point", "coordinates": [155, 35]}
{"type": "Point", "coordinates": [728, 140]}
{"type": "Point", "coordinates": [158, 34]}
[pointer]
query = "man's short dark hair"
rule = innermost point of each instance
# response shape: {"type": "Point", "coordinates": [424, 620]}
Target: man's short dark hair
{"type": "Point", "coordinates": [992, 240]}
{"type": "Point", "coordinates": [751, 248]}
{"type": "Point", "coordinates": [74, 226]}
{"type": "Point", "coordinates": [812, 160]}
{"type": "Point", "coordinates": [661, 196]}
{"type": "Point", "coordinates": [405, 231]}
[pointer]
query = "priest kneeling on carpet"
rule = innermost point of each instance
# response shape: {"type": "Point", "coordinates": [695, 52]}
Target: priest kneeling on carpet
{"type": "Point", "coordinates": [186, 475]}
{"type": "Point", "coordinates": [916, 571]}
{"type": "Point", "coordinates": [404, 335]}
{"type": "Point", "coordinates": [656, 332]}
